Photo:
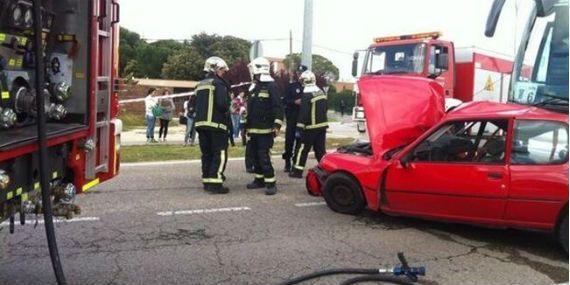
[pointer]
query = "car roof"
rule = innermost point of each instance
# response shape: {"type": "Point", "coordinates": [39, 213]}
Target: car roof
{"type": "Point", "coordinates": [488, 109]}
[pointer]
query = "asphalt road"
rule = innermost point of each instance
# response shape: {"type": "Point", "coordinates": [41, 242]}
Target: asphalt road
{"type": "Point", "coordinates": [154, 225]}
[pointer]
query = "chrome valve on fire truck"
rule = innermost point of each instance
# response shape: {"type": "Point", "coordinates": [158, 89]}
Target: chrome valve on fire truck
{"type": "Point", "coordinates": [26, 104]}
{"type": "Point", "coordinates": [57, 112]}
{"type": "Point", "coordinates": [62, 91]}
{"type": "Point", "coordinates": [7, 118]}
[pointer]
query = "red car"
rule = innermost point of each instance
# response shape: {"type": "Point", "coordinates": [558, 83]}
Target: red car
{"type": "Point", "coordinates": [492, 164]}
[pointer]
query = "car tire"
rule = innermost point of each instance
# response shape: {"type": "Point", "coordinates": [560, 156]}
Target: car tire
{"type": "Point", "coordinates": [343, 194]}
{"type": "Point", "coordinates": [563, 233]}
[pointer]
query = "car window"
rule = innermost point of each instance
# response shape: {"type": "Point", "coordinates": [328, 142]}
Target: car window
{"type": "Point", "coordinates": [540, 142]}
{"type": "Point", "coordinates": [465, 142]}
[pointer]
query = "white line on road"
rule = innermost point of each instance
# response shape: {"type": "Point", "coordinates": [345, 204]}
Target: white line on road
{"type": "Point", "coordinates": [56, 221]}
{"type": "Point", "coordinates": [313, 204]}
{"type": "Point", "coordinates": [203, 211]}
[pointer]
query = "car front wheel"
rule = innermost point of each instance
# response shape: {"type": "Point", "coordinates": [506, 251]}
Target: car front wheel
{"type": "Point", "coordinates": [343, 194]}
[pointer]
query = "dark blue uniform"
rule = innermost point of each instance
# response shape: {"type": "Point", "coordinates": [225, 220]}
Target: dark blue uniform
{"type": "Point", "coordinates": [294, 92]}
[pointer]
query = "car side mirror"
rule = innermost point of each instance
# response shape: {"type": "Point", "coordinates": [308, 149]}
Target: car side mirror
{"type": "Point", "coordinates": [442, 61]}
{"type": "Point", "coordinates": [405, 160]}
{"type": "Point", "coordinates": [493, 17]}
{"type": "Point", "coordinates": [355, 64]}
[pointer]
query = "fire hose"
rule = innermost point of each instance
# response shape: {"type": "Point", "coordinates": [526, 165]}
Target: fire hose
{"type": "Point", "coordinates": [388, 275]}
{"type": "Point", "coordinates": [42, 146]}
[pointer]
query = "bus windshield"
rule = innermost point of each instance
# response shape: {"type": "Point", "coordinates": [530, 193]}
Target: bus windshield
{"type": "Point", "coordinates": [541, 77]}
{"type": "Point", "coordinates": [395, 59]}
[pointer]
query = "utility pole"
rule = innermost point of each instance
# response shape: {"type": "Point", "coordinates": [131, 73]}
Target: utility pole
{"type": "Point", "coordinates": [291, 65]}
{"type": "Point", "coordinates": [307, 58]}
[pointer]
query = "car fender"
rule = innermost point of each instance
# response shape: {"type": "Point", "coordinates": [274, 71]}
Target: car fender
{"type": "Point", "coordinates": [366, 170]}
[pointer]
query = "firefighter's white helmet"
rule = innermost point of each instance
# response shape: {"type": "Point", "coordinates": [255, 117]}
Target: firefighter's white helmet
{"type": "Point", "coordinates": [214, 64]}
{"type": "Point", "coordinates": [260, 65]}
{"type": "Point", "coordinates": [308, 78]}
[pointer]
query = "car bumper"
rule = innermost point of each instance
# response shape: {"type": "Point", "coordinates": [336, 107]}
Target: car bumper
{"type": "Point", "coordinates": [315, 181]}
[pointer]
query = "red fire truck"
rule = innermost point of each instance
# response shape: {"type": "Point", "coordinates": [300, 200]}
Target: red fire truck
{"type": "Point", "coordinates": [484, 75]}
{"type": "Point", "coordinates": [82, 133]}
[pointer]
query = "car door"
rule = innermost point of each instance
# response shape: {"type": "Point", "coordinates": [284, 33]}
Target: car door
{"type": "Point", "coordinates": [457, 173]}
{"type": "Point", "coordinates": [539, 173]}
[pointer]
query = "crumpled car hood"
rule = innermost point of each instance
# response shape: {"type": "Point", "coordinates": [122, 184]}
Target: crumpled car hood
{"type": "Point", "coordinates": [399, 109]}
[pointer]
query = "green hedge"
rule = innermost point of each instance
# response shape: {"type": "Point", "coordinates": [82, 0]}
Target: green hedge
{"type": "Point", "coordinates": [334, 101]}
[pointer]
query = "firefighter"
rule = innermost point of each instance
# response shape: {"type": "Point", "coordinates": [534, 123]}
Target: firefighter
{"type": "Point", "coordinates": [312, 123]}
{"type": "Point", "coordinates": [249, 157]}
{"type": "Point", "coordinates": [292, 101]}
{"type": "Point", "coordinates": [263, 123]}
{"type": "Point", "coordinates": [212, 123]}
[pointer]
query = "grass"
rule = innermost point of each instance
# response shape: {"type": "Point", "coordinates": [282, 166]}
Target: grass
{"type": "Point", "coordinates": [161, 152]}
{"type": "Point", "coordinates": [133, 121]}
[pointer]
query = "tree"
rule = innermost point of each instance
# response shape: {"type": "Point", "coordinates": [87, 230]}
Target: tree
{"type": "Point", "coordinates": [129, 42]}
{"type": "Point", "coordinates": [231, 49]}
{"type": "Point", "coordinates": [239, 73]}
{"type": "Point", "coordinates": [321, 65]}
{"type": "Point", "coordinates": [186, 64]}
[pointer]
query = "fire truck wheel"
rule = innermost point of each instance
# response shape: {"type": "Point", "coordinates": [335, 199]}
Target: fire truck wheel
{"type": "Point", "coordinates": [343, 194]}
{"type": "Point", "coordinates": [563, 233]}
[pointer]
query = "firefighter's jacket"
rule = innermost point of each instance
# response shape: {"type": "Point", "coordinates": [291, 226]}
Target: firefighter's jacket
{"type": "Point", "coordinates": [264, 110]}
{"type": "Point", "coordinates": [212, 104]}
{"type": "Point", "coordinates": [313, 112]}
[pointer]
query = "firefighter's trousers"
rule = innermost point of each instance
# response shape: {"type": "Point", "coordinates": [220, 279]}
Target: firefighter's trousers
{"type": "Point", "coordinates": [249, 155]}
{"type": "Point", "coordinates": [315, 139]}
{"type": "Point", "coordinates": [263, 169]}
{"type": "Point", "coordinates": [291, 143]}
{"type": "Point", "coordinates": [214, 147]}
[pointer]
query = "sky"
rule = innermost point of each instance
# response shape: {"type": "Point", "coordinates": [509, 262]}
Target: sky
{"type": "Point", "coordinates": [340, 27]}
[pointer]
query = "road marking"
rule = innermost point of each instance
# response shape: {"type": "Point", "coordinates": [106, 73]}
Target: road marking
{"type": "Point", "coordinates": [203, 211]}
{"type": "Point", "coordinates": [312, 204]}
{"type": "Point", "coordinates": [56, 221]}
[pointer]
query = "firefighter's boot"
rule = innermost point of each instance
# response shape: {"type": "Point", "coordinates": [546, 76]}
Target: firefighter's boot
{"type": "Point", "coordinates": [296, 173]}
{"type": "Point", "coordinates": [218, 189]}
{"type": "Point", "coordinates": [256, 184]}
{"type": "Point", "coordinates": [271, 190]}
{"type": "Point", "coordinates": [287, 165]}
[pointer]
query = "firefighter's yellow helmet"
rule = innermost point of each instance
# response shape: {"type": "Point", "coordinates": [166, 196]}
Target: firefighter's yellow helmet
{"type": "Point", "coordinates": [308, 78]}
{"type": "Point", "coordinates": [214, 64]}
{"type": "Point", "coordinates": [260, 65]}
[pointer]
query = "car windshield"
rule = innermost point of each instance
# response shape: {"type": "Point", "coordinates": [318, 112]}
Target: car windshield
{"type": "Point", "coordinates": [395, 59]}
{"type": "Point", "coordinates": [542, 78]}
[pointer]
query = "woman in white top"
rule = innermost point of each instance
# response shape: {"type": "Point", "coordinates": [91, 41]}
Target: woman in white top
{"type": "Point", "coordinates": [150, 103]}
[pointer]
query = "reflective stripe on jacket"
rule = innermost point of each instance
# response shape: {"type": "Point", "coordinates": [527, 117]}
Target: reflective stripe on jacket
{"type": "Point", "coordinates": [212, 104]}
{"type": "Point", "coordinates": [264, 110]}
{"type": "Point", "coordinates": [313, 113]}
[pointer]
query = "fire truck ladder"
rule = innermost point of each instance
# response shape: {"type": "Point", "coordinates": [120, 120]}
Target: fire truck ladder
{"type": "Point", "coordinates": [98, 159]}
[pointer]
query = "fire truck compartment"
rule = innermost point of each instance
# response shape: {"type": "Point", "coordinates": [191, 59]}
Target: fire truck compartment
{"type": "Point", "coordinates": [17, 137]}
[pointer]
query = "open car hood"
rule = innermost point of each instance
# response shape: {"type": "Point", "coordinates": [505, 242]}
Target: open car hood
{"type": "Point", "coordinates": [399, 109]}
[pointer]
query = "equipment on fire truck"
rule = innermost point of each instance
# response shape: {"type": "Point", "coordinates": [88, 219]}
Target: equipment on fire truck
{"type": "Point", "coordinates": [59, 134]}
